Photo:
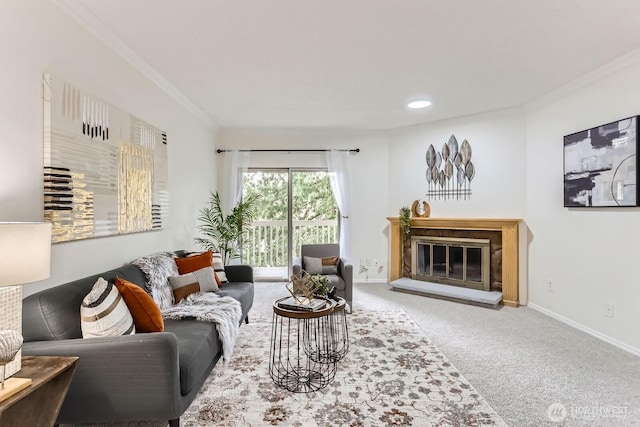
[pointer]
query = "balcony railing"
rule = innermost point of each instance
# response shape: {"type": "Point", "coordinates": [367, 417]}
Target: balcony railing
{"type": "Point", "coordinates": [267, 240]}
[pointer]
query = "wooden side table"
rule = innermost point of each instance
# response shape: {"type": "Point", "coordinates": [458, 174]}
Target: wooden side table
{"type": "Point", "coordinates": [40, 403]}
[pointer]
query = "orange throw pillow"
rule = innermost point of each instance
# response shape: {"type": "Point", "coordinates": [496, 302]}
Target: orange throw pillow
{"type": "Point", "coordinates": [192, 263]}
{"type": "Point", "coordinates": [146, 313]}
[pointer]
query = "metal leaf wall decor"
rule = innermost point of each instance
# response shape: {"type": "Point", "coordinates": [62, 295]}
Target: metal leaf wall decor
{"type": "Point", "coordinates": [450, 170]}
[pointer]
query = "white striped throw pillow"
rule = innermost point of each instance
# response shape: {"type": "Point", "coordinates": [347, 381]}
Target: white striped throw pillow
{"type": "Point", "coordinates": [104, 313]}
{"type": "Point", "coordinates": [218, 266]}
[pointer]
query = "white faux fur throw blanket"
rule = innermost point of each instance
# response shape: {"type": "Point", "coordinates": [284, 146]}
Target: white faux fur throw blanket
{"type": "Point", "coordinates": [224, 311]}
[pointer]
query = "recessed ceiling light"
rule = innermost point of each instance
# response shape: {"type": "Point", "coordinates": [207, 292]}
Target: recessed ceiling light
{"type": "Point", "coordinates": [418, 103]}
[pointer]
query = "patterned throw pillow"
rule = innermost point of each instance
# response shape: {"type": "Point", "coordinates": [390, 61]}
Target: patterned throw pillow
{"type": "Point", "coordinates": [103, 312]}
{"type": "Point", "coordinates": [146, 313]}
{"type": "Point", "coordinates": [202, 280]}
{"type": "Point", "coordinates": [196, 261]}
{"type": "Point", "coordinates": [327, 265]}
{"type": "Point", "coordinates": [218, 266]}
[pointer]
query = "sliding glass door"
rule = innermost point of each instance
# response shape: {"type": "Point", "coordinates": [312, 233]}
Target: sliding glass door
{"type": "Point", "coordinates": [296, 207]}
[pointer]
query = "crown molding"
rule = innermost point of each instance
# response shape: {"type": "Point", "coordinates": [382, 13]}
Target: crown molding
{"type": "Point", "coordinates": [618, 64]}
{"type": "Point", "coordinates": [85, 18]}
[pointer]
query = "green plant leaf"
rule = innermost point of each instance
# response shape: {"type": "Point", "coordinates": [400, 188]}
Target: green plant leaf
{"type": "Point", "coordinates": [224, 233]}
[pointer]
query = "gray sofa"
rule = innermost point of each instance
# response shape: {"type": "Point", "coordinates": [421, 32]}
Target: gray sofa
{"type": "Point", "coordinates": [146, 376]}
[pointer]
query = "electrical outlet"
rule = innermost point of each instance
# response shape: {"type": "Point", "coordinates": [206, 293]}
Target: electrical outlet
{"type": "Point", "coordinates": [363, 265]}
{"type": "Point", "coordinates": [549, 285]}
{"type": "Point", "coordinates": [608, 310]}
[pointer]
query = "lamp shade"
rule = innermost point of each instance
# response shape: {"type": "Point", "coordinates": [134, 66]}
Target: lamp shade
{"type": "Point", "coordinates": [25, 252]}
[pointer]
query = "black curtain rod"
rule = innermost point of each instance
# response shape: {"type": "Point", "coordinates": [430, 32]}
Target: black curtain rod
{"type": "Point", "coordinates": [353, 150]}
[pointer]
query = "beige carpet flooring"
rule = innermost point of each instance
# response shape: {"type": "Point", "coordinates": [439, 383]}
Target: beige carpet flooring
{"type": "Point", "coordinates": [522, 362]}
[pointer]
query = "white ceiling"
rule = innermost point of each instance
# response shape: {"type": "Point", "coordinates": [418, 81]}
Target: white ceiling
{"type": "Point", "coordinates": [353, 64]}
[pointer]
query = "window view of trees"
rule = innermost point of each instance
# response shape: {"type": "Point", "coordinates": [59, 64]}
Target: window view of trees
{"type": "Point", "coordinates": [314, 214]}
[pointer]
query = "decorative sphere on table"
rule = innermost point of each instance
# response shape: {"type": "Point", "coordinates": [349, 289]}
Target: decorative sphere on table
{"type": "Point", "coordinates": [10, 344]}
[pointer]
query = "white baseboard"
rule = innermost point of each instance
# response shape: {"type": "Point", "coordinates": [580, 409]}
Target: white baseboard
{"type": "Point", "coordinates": [574, 324]}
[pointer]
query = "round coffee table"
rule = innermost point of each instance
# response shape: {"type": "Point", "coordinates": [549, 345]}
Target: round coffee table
{"type": "Point", "coordinates": [300, 344]}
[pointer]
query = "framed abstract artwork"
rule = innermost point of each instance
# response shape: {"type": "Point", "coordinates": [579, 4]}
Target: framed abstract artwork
{"type": "Point", "coordinates": [601, 166]}
{"type": "Point", "coordinates": [105, 171]}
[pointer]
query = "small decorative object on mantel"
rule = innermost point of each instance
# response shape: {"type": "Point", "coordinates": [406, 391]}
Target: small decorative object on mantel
{"type": "Point", "coordinates": [420, 209]}
{"type": "Point", "coordinates": [450, 171]}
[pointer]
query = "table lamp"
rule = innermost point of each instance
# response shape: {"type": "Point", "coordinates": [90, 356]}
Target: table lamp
{"type": "Point", "coordinates": [25, 256]}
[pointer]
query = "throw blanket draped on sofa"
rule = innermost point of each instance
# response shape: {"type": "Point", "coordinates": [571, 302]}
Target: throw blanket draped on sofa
{"type": "Point", "coordinates": [224, 311]}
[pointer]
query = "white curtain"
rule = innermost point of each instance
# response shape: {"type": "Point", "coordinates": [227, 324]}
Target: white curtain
{"type": "Point", "coordinates": [236, 164]}
{"type": "Point", "coordinates": [338, 164]}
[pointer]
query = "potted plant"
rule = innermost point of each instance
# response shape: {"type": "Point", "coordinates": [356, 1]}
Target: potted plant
{"type": "Point", "coordinates": [405, 222]}
{"type": "Point", "coordinates": [224, 233]}
{"type": "Point", "coordinates": [320, 285]}
{"type": "Point", "coordinates": [405, 229]}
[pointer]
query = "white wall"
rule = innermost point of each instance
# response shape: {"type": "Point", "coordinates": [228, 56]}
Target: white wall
{"type": "Point", "coordinates": [498, 144]}
{"type": "Point", "coordinates": [369, 179]}
{"type": "Point", "coordinates": [37, 37]}
{"type": "Point", "coordinates": [590, 255]}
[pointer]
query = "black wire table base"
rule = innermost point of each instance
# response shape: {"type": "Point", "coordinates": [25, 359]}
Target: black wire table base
{"type": "Point", "coordinates": [338, 337]}
{"type": "Point", "coordinates": [301, 358]}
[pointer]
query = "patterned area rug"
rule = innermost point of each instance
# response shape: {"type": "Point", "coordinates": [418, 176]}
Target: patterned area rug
{"type": "Point", "coordinates": [392, 376]}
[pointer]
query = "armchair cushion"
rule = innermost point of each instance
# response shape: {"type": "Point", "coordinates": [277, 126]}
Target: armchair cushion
{"type": "Point", "coordinates": [326, 265]}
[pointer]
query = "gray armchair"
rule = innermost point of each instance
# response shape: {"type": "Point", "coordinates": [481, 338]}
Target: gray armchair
{"type": "Point", "coordinates": [343, 281]}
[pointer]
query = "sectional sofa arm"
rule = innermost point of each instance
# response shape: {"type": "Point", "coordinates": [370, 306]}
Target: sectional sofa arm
{"type": "Point", "coordinates": [132, 376]}
{"type": "Point", "coordinates": [345, 268]}
{"type": "Point", "coordinates": [239, 273]}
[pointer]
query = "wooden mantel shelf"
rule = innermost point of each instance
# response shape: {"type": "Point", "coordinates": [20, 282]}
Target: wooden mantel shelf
{"type": "Point", "coordinates": [508, 227]}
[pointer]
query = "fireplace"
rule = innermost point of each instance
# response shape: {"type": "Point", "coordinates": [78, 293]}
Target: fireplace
{"type": "Point", "coordinates": [453, 261]}
{"type": "Point", "coordinates": [503, 234]}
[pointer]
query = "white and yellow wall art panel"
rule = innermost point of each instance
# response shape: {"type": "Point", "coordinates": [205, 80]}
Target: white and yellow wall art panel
{"type": "Point", "coordinates": [105, 171]}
